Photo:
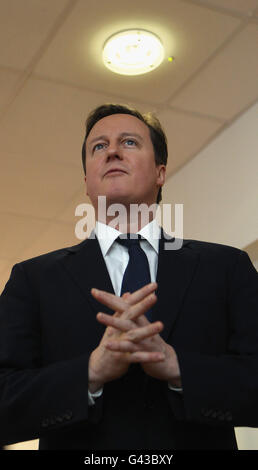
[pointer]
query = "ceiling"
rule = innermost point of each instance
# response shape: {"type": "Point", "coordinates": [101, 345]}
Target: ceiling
{"type": "Point", "coordinates": [51, 76]}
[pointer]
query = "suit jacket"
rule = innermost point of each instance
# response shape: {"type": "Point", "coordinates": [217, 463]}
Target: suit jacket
{"type": "Point", "coordinates": [208, 302]}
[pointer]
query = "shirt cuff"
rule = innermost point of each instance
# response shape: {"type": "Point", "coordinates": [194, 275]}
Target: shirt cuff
{"type": "Point", "coordinates": [92, 396]}
{"type": "Point", "coordinates": [175, 389]}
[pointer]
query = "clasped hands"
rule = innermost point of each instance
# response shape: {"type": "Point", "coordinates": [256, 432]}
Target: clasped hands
{"type": "Point", "coordinates": [130, 338]}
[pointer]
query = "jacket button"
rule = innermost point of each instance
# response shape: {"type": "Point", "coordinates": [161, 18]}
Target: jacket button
{"type": "Point", "coordinates": [214, 414]}
{"type": "Point", "coordinates": [52, 420]}
{"type": "Point", "coordinates": [228, 416]}
{"type": "Point", "coordinates": [68, 414]}
{"type": "Point", "coordinates": [206, 412]}
{"type": "Point", "coordinates": [45, 423]}
{"type": "Point", "coordinates": [221, 416]}
{"type": "Point", "coordinates": [59, 419]}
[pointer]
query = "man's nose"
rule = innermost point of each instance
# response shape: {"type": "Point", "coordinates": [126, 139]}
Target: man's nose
{"type": "Point", "coordinates": [113, 152]}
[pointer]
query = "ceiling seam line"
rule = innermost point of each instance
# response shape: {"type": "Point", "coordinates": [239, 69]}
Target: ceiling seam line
{"type": "Point", "coordinates": [25, 75]}
{"type": "Point", "coordinates": [213, 55]}
{"type": "Point", "coordinates": [222, 10]}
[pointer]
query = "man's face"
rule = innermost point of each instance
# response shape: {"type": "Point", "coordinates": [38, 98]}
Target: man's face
{"type": "Point", "coordinates": [120, 162]}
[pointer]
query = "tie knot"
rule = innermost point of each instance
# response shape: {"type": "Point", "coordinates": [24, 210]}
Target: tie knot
{"type": "Point", "coordinates": [128, 241]}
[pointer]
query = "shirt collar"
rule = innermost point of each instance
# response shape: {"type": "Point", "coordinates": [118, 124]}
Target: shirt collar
{"type": "Point", "coordinates": [107, 235]}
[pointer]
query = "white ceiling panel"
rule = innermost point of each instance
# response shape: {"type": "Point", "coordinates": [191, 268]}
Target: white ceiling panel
{"type": "Point", "coordinates": [47, 120]}
{"type": "Point", "coordinates": [189, 32]}
{"type": "Point", "coordinates": [241, 6]}
{"type": "Point", "coordinates": [34, 186]}
{"type": "Point", "coordinates": [55, 237]}
{"type": "Point", "coordinates": [17, 233]}
{"type": "Point", "coordinates": [8, 83]}
{"type": "Point", "coordinates": [68, 214]}
{"type": "Point", "coordinates": [229, 83]}
{"type": "Point", "coordinates": [25, 24]}
{"type": "Point", "coordinates": [186, 135]}
{"type": "Point", "coordinates": [5, 274]}
{"type": "Point", "coordinates": [4, 264]}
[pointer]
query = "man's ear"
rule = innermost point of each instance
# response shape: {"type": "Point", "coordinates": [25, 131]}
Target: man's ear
{"type": "Point", "coordinates": [161, 175]}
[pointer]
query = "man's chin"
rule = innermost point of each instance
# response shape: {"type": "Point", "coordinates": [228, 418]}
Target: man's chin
{"type": "Point", "coordinates": [119, 197]}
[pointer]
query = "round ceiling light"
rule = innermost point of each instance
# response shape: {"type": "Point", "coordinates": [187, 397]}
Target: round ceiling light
{"type": "Point", "coordinates": [133, 52]}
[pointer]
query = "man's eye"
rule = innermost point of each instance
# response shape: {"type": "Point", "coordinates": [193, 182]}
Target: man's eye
{"type": "Point", "coordinates": [98, 147]}
{"type": "Point", "coordinates": [130, 142]}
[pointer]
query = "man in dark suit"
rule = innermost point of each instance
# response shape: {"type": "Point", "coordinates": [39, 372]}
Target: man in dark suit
{"type": "Point", "coordinates": [179, 379]}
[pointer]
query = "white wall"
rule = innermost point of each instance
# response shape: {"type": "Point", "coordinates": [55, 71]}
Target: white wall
{"type": "Point", "coordinates": [219, 187]}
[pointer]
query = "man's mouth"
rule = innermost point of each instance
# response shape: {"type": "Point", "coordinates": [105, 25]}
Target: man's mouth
{"type": "Point", "coordinates": [115, 171]}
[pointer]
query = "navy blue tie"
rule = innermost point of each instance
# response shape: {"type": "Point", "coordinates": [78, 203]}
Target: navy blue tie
{"type": "Point", "coordinates": [137, 273]}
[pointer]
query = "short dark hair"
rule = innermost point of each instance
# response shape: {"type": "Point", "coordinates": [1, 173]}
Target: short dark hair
{"type": "Point", "coordinates": [157, 134]}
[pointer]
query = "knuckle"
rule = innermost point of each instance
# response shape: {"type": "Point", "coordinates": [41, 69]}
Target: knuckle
{"type": "Point", "coordinates": [130, 335]}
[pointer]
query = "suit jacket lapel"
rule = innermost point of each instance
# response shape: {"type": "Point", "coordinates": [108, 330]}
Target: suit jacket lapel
{"type": "Point", "coordinates": [87, 267]}
{"type": "Point", "coordinates": [175, 271]}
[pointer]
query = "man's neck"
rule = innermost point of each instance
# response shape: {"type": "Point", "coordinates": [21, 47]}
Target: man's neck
{"type": "Point", "coordinates": [127, 223]}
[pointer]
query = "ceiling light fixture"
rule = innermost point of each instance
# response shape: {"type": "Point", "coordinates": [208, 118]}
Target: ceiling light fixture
{"type": "Point", "coordinates": [133, 52]}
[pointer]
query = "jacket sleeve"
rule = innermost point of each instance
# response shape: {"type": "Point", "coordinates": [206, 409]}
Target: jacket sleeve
{"type": "Point", "coordinates": [223, 389]}
{"type": "Point", "coordinates": [35, 399]}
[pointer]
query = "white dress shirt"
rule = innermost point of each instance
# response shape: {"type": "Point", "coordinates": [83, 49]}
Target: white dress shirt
{"type": "Point", "coordinates": [116, 258]}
